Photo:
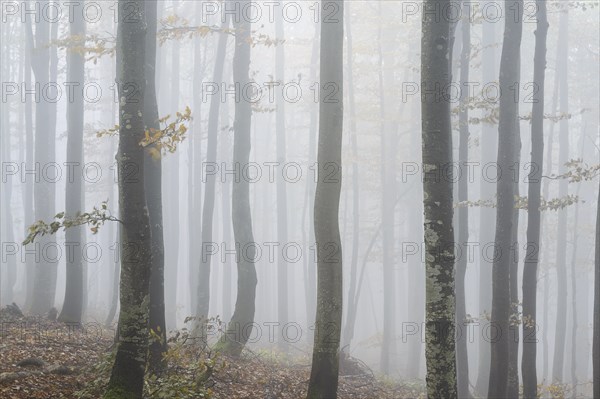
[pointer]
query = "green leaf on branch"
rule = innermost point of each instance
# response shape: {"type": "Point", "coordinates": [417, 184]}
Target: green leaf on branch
{"type": "Point", "coordinates": [95, 218]}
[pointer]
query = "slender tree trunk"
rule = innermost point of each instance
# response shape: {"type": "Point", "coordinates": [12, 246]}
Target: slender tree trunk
{"type": "Point", "coordinates": [225, 144]}
{"type": "Point", "coordinates": [545, 194]}
{"type": "Point", "coordinates": [575, 241]}
{"type": "Point", "coordinates": [416, 268]}
{"type": "Point", "coordinates": [195, 168]}
{"type": "Point", "coordinates": [115, 237]}
{"type": "Point", "coordinates": [387, 215]}
{"type": "Point", "coordinates": [6, 216]}
{"type": "Point", "coordinates": [29, 186]}
{"type": "Point", "coordinates": [507, 144]}
{"type": "Point", "coordinates": [351, 312]}
{"type": "Point", "coordinates": [487, 220]}
{"type": "Point", "coordinates": [513, 328]}
{"type": "Point", "coordinates": [240, 327]}
{"type": "Point", "coordinates": [325, 359]}
{"type": "Point", "coordinates": [462, 359]}
{"type": "Point", "coordinates": [563, 191]}
{"type": "Point", "coordinates": [127, 377]}
{"type": "Point", "coordinates": [114, 301]}
{"type": "Point", "coordinates": [153, 187]}
{"type": "Point", "coordinates": [440, 343]}
{"type": "Point", "coordinates": [310, 275]}
{"type": "Point", "coordinates": [172, 169]}
{"type": "Point", "coordinates": [530, 274]}
{"type": "Point", "coordinates": [203, 283]}
{"type": "Point", "coordinates": [44, 285]}
{"type": "Point", "coordinates": [282, 210]}
{"type": "Point", "coordinates": [73, 305]}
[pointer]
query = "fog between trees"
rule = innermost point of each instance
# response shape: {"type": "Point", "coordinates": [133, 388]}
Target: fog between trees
{"type": "Point", "coordinates": [410, 184]}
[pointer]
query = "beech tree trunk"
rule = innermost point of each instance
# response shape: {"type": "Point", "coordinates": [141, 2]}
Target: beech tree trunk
{"type": "Point", "coordinates": [127, 376]}
{"type": "Point", "coordinates": [487, 220]}
{"type": "Point", "coordinates": [240, 327]}
{"type": "Point", "coordinates": [507, 144]}
{"type": "Point", "coordinates": [440, 339]}
{"type": "Point", "coordinates": [530, 274]}
{"type": "Point", "coordinates": [203, 282]}
{"type": "Point", "coordinates": [44, 284]}
{"type": "Point", "coordinates": [352, 291]}
{"type": "Point", "coordinates": [73, 305]}
{"type": "Point", "coordinates": [563, 190]}
{"type": "Point", "coordinates": [462, 359]}
{"type": "Point", "coordinates": [153, 187]}
{"type": "Point", "coordinates": [282, 210]}
{"type": "Point", "coordinates": [325, 359]}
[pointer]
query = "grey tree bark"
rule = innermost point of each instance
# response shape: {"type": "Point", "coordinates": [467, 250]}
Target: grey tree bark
{"type": "Point", "coordinates": [352, 291]}
{"type": "Point", "coordinates": [513, 328]}
{"type": "Point", "coordinates": [44, 284]}
{"type": "Point", "coordinates": [387, 211]}
{"type": "Point", "coordinates": [310, 272]}
{"type": "Point", "coordinates": [127, 376]}
{"type": "Point", "coordinates": [73, 304]}
{"type": "Point", "coordinates": [240, 327]}
{"type": "Point", "coordinates": [530, 273]}
{"type": "Point", "coordinates": [29, 161]}
{"type": "Point", "coordinates": [9, 265]}
{"type": "Point", "coordinates": [282, 209]}
{"type": "Point", "coordinates": [563, 191]}
{"type": "Point", "coordinates": [574, 319]}
{"type": "Point", "coordinates": [172, 169]}
{"type": "Point", "coordinates": [507, 144]}
{"type": "Point", "coordinates": [487, 220]}
{"type": "Point", "coordinates": [440, 342]}
{"type": "Point", "coordinates": [203, 282]}
{"type": "Point", "coordinates": [462, 360]}
{"type": "Point", "coordinates": [195, 162]}
{"type": "Point", "coordinates": [325, 358]}
{"type": "Point", "coordinates": [225, 145]}
{"type": "Point", "coordinates": [114, 236]}
{"type": "Point", "coordinates": [153, 187]}
{"type": "Point", "coordinates": [545, 194]}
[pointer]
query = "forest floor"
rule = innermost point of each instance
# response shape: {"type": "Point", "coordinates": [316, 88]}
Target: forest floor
{"type": "Point", "coordinates": [44, 359]}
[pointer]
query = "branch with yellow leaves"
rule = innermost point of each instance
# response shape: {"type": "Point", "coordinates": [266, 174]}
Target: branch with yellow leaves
{"type": "Point", "coordinates": [161, 141]}
{"type": "Point", "coordinates": [522, 203]}
{"type": "Point", "coordinates": [95, 218]}
{"type": "Point", "coordinates": [93, 46]}
{"type": "Point", "coordinates": [578, 171]}
{"type": "Point", "coordinates": [165, 140]}
{"type": "Point", "coordinates": [175, 27]}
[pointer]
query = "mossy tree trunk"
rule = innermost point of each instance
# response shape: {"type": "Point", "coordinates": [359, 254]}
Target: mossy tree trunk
{"type": "Point", "coordinates": [440, 343]}
{"type": "Point", "coordinates": [127, 376]}
{"type": "Point", "coordinates": [153, 187]}
{"type": "Point", "coordinates": [462, 360]}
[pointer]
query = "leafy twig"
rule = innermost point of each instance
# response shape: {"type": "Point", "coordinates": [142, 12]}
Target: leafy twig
{"type": "Point", "coordinates": [95, 218]}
